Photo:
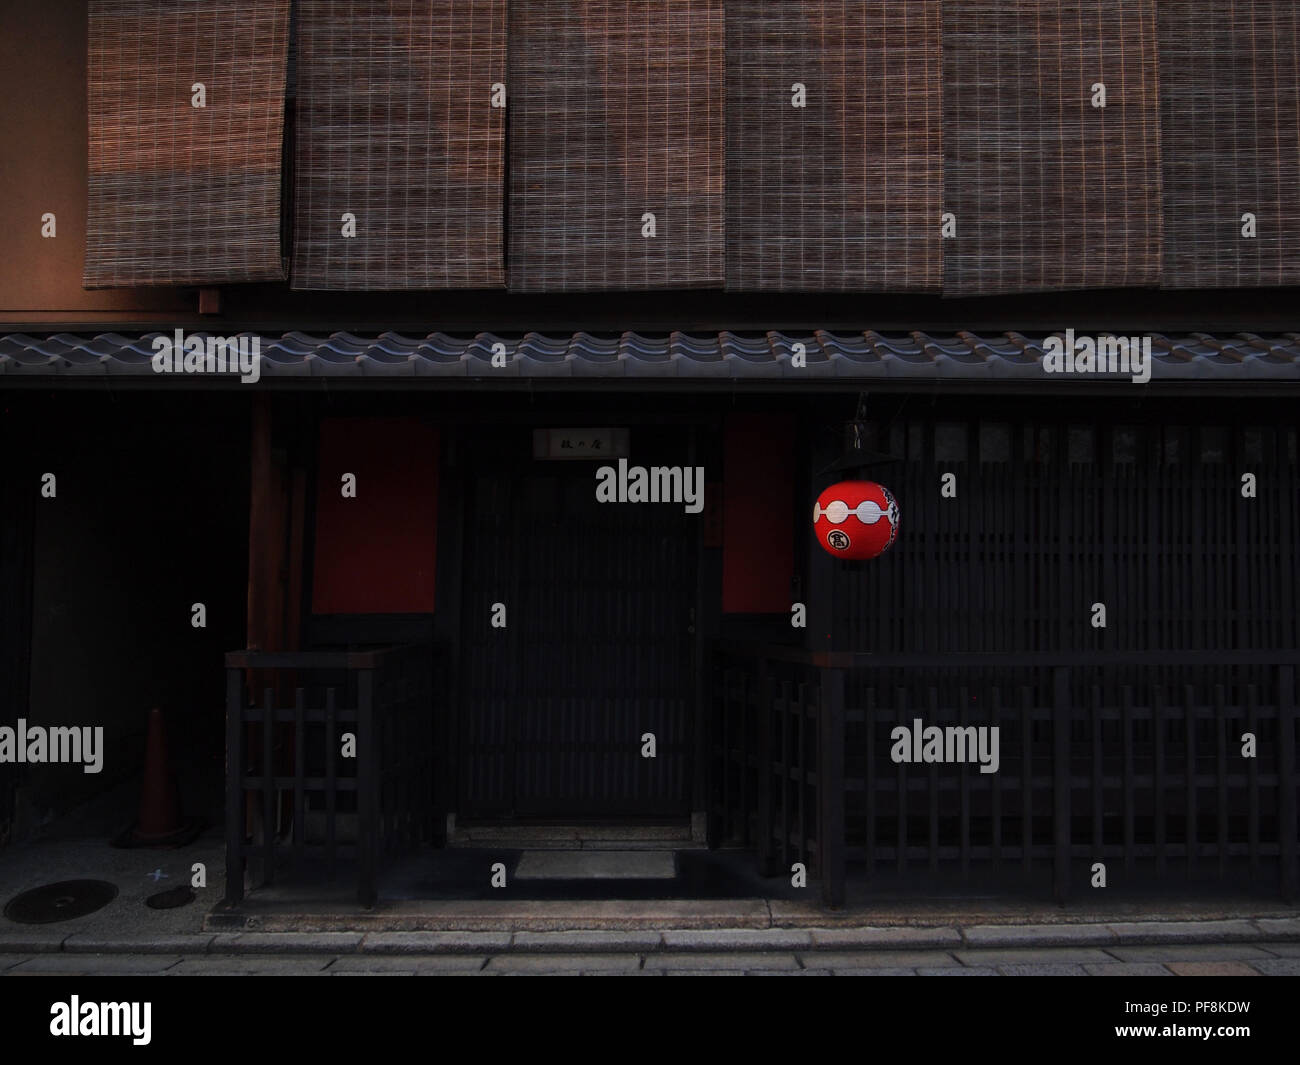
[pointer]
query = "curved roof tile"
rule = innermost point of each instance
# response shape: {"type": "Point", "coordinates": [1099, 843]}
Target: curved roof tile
{"type": "Point", "coordinates": [866, 355]}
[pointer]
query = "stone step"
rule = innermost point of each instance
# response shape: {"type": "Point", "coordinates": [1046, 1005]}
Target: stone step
{"type": "Point", "coordinates": [533, 835]}
{"type": "Point", "coordinates": [596, 865]}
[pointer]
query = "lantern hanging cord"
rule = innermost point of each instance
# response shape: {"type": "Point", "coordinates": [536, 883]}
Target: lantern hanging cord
{"type": "Point", "coordinates": [869, 458]}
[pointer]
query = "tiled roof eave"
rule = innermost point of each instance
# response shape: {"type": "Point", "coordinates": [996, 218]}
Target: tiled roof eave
{"type": "Point", "coordinates": [772, 358]}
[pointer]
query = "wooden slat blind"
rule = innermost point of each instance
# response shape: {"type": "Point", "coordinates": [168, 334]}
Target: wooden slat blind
{"type": "Point", "coordinates": [1049, 191]}
{"type": "Point", "coordinates": [843, 192]}
{"type": "Point", "coordinates": [180, 194]}
{"type": "Point", "coordinates": [396, 126]}
{"type": "Point", "coordinates": [1230, 110]}
{"type": "Point", "coordinates": [616, 112]}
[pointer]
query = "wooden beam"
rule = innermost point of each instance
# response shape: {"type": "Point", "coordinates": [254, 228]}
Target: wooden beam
{"type": "Point", "coordinates": [261, 504]}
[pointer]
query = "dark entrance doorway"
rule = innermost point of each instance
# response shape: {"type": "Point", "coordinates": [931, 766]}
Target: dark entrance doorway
{"type": "Point", "coordinates": [597, 647]}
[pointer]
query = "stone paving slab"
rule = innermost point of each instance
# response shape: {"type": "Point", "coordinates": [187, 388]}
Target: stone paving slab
{"type": "Point", "coordinates": [730, 960]}
{"type": "Point", "coordinates": [1041, 970]}
{"type": "Point", "coordinates": [557, 963]}
{"type": "Point", "coordinates": [1282, 950]}
{"type": "Point", "coordinates": [444, 963]}
{"type": "Point", "coordinates": [94, 964]}
{"type": "Point", "coordinates": [1038, 935]}
{"type": "Point", "coordinates": [1279, 927]}
{"type": "Point", "coordinates": [872, 938]}
{"type": "Point", "coordinates": [958, 970]}
{"type": "Point", "coordinates": [883, 971]}
{"type": "Point", "coordinates": [562, 942]}
{"type": "Point", "coordinates": [737, 939]}
{"type": "Point", "coordinates": [285, 942]}
{"type": "Point", "coordinates": [877, 959]}
{"type": "Point", "coordinates": [436, 942]}
{"type": "Point", "coordinates": [1171, 952]}
{"type": "Point", "coordinates": [1210, 968]}
{"type": "Point", "coordinates": [596, 865]}
{"type": "Point", "coordinates": [1035, 955]}
{"type": "Point", "coordinates": [549, 915]}
{"type": "Point", "coordinates": [1278, 966]}
{"type": "Point", "coordinates": [1145, 932]}
{"type": "Point", "coordinates": [21, 940]}
{"type": "Point", "coordinates": [1126, 968]}
{"type": "Point", "coordinates": [250, 965]}
{"type": "Point", "coordinates": [100, 943]}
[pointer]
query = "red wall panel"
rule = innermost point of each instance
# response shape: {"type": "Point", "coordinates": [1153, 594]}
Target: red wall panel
{"type": "Point", "coordinates": [758, 528]}
{"type": "Point", "coordinates": [377, 553]}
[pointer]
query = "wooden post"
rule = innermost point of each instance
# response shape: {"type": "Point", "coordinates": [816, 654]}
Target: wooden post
{"type": "Point", "coordinates": [209, 301]}
{"type": "Point", "coordinates": [234, 788]}
{"type": "Point", "coordinates": [1286, 778]}
{"type": "Point", "coordinates": [766, 854]}
{"type": "Point", "coordinates": [261, 503]}
{"type": "Point", "coordinates": [1061, 780]}
{"type": "Point", "coordinates": [830, 787]}
{"type": "Point", "coordinates": [367, 790]}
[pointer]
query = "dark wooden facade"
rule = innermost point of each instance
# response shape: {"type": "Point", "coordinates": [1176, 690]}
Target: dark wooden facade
{"type": "Point", "coordinates": [625, 620]}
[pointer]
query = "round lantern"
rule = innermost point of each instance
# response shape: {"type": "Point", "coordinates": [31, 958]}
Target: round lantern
{"type": "Point", "coordinates": [855, 519]}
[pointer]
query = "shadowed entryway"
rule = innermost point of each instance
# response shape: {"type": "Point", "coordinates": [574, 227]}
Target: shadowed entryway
{"type": "Point", "coordinates": [596, 647]}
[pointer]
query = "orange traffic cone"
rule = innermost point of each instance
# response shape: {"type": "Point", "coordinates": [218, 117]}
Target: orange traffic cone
{"type": "Point", "coordinates": [160, 823]}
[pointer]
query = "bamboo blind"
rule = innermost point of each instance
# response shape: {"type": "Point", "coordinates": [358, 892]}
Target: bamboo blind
{"type": "Point", "coordinates": [845, 191]}
{"type": "Point", "coordinates": [616, 112]}
{"type": "Point", "coordinates": [180, 194]}
{"type": "Point", "coordinates": [396, 127]}
{"type": "Point", "coordinates": [1049, 191]}
{"type": "Point", "coordinates": [1230, 110]}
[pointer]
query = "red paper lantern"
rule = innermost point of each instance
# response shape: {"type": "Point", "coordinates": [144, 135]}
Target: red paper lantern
{"type": "Point", "coordinates": [855, 519]}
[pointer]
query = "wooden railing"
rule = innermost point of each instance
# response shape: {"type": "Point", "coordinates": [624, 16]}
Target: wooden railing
{"type": "Point", "coordinates": [1123, 757]}
{"type": "Point", "coordinates": [330, 760]}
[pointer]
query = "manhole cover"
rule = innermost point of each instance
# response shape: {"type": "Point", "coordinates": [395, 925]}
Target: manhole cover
{"type": "Point", "coordinates": [169, 900]}
{"type": "Point", "coordinates": [60, 902]}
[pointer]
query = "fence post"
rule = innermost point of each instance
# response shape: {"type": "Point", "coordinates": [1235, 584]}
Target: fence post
{"type": "Point", "coordinates": [766, 856]}
{"type": "Point", "coordinates": [367, 775]}
{"type": "Point", "coordinates": [1286, 778]}
{"type": "Point", "coordinates": [830, 787]}
{"type": "Point", "coordinates": [234, 787]}
{"type": "Point", "coordinates": [1061, 780]}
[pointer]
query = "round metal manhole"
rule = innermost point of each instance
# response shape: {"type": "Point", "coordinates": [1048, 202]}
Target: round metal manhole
{"type": "Point", "coordinates": [169, 900]}
{"type": "Point", "coordinates": [60, 902]}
